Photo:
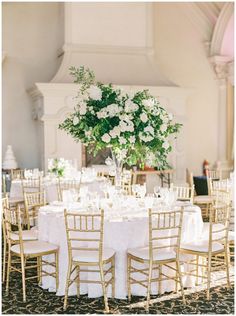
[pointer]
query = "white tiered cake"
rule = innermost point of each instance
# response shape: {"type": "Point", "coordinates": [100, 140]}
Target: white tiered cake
{"type": "Point", "coordinates": [9, 159]}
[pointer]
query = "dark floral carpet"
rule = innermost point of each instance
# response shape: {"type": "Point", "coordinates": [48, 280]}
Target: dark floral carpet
{"type": "Point", "coordinates": [41, 301]}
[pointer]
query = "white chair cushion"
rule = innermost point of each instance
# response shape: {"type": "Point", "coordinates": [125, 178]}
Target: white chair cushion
{"type": "Point", "coordinates": [92, 256]}
{"type": "Point", "coordinates": [158, 255]}
{"type": "Point", "coordinates": [26, 235]}
{"type": "Point", "coordinates": [202, 246]}
{"type": "Point", "coordinates": [33, 247]}
{"type": "Point", "coordinates": [202, 199]}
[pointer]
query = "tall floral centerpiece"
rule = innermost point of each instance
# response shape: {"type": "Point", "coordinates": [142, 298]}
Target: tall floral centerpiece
{"type": "Point", "coordinates": [132, 124]}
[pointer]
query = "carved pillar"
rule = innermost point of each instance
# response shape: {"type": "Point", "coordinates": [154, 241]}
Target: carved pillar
{"type": "Point", "coordinates": [220, 65]}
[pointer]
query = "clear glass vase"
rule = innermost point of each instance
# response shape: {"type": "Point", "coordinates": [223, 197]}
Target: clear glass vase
{"type": "Point", "coordinates": [118, 162]}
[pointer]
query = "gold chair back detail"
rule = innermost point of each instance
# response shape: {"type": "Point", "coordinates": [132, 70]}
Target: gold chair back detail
{"type": "Point", "coordinates": [183, 193]}
{"type": "Point", "coordinates": [64, 185]}
{"type": "Point", "coordinates": [33, 201]}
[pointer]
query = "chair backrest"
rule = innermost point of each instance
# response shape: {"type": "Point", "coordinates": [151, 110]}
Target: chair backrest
{"type": "Point", "coordinates": [13, 225]}
{"type": "Point", "coordinates": [31, 185]}
{"type": "Point", "coordinates": [17, 174]}
{"type": "Point", "coordinates": [64, 185]}
{"type": "Point", "coordinates": [219, 224]}
{"type": "Point", "coordinates": [183, 193]}
{"type": "Point", "coordinates": [224, 185]}
{"type": "Point", "coordinates": [212, 176]}
{"type": "Point", "coordinates": [84, 232]}
{"type": "Point", "coordinates": [33, 201]}
{"type": "Point", "coordinates": [165, 230]}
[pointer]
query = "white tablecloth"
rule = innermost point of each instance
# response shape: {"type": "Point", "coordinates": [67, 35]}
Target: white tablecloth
{"type": "Point", "coordinates": [50, 188]}
{"type": "Point", "coordinates": [120, 234]}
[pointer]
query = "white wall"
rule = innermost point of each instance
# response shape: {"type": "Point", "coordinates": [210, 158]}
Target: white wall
{"type": "Point", "coordinates": [32, 33]}
{"type": "Point", "coordinates": [179, 49]}
{"type": "Point", "coordinates": [179, 58]}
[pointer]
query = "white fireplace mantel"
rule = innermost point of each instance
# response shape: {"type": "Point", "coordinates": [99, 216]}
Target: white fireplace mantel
{"type": "Point", "coordinates": [53, 102]}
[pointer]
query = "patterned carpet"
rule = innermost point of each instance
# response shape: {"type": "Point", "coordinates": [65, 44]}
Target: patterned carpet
{"type": "Point", "coordinates": [40, 301]}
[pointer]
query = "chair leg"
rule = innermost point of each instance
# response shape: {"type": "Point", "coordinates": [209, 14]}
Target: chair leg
{"type": "Point", "coordinates": [180, 280]}
{"type": "Point", "coordinates": [23, 277]}
{"type": "Point", "coordinates": [8, 269]}
{"type": "Point", "coordinates": [38, 269]}
{"type": "Point", "coordinates": [113, 277]}
{"type": "Point", "coordinates": [208, 277]}
{"type": "Point", "coordinates": [128, 276]}
{"type": "Point", "coordinates": [104, 288]}
{"type": "Point", "coordinates": [4, 261]}
{"type": "Point", "coordinates": [197, 269]}
{"type": "Point", "coordinates": [57, 270]}
{"type": "Point", "coordinates": [67, 285]}
{"type": "Point", "coordinates": [160, 277]}
{"type": "Point", "coordinates": [149, 286]}
{"type": "Point", "coordinates": [78, 281]}
{"type": "Point", "coordinates": [227, 263]}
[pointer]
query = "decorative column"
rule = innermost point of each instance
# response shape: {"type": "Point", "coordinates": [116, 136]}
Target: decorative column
{"type": "Point", "coordinates": [220, 65]}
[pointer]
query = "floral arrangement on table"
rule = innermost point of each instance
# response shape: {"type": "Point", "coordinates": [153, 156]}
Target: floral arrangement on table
{"type": "Point", "coordinates": [57, 166]}
{"type": "Point", "coordinates": [133, 124]}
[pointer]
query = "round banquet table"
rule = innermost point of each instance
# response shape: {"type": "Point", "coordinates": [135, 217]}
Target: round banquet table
{"type": "Point", "coordinates": [50, 188]}
{"type": "Point", "coordinates": [129, 230]}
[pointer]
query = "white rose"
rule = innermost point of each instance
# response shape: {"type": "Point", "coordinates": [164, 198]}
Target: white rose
{"type": "Point", "coordinates": [95, 93]}
{"type": "Point", "coordinates": [143, 117]}
{"type": "Point", "coordinates": [149, 129]}
{"type": "Point", "coordinates": [106, 138]}
{"type": "Point", "coordinates": [75, 120]}
{"type": "Point", "coordinates": [170, 116]}
{"type": "Point", "coordinates": [165, 145]}
{"type": "Point", "coordinates": [101, 114]}
{"type": "Point", "coordinates": [132, 139]}
{"type": "Point", "coordinates": [130, 106]}
{"type": "Point", "coordinates": [163, 128]}
{"type": "Point", "coordinates": [149, 103]}
{"type": "Point", "coordinates": [83, 109]}
{"type": "Point", "coordinates": [122, 140]}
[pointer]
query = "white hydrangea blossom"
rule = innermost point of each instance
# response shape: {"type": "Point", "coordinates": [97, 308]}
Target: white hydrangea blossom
{"type": "Point", "coordinates": [122, 140]}
{"type": "Point", "coordinates": [115, 132]}
{"type": "Point", "coordinates": [143, 117]}
{"type": "Point", "coordinates": [130, 106]}
{"type": "Point", "coordinates": [132, 139]}
{"type": "Point", "coordinates": [149, 129]}
{"type": "Point", "coordinates": [83, 108]}
{"type": "Point", "coordinates": [75, 120]}
{"type": "Point", "coordinates": [106, 138]}
{"type": "Point", "coordinates": [95, 93]}
{"type": "Point", "coordinates": [145, 138]}
{"type": "Point", "coordinates": [149, 103]}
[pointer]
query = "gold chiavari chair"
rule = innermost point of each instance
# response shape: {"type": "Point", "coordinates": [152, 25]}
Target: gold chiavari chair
{"type": "Point", "coordinates": [183, 193]}
{"type": "Point", "coordinates": [163, 251]}
{"type": "Point", "coordinates": [26, 234]}
{"type": "Point", "coordinates": [203, 201]}
{"type": "Point", "coordinates": [26, 250]}
{"type": "Point", "coordinates": [212, 245]}
{"type": "Point", "coordinates": [64, 185]}
{"type": "Point", "coordinates": [31, 185]}
{"type": "Point", "coordinates": [33, 201]}
{"type": "Point", "coordinates": [85, 249]}
{"type": "Point", "coordinates": [17, 174]}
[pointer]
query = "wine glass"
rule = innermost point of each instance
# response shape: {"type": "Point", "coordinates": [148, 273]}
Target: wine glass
{"type": "Point", "coordinates": [157, 191]}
